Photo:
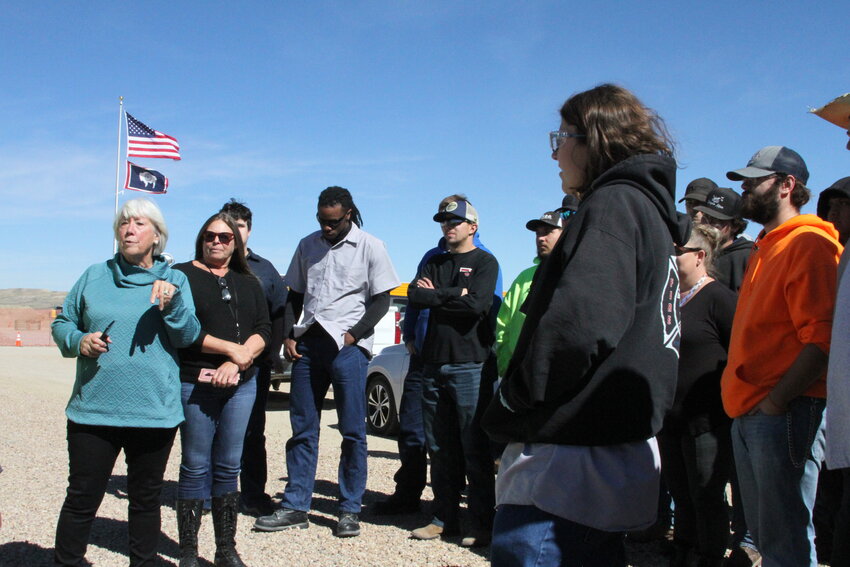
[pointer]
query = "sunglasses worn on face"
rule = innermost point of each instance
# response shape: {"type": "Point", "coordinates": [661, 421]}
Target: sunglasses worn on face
{"type": "Point", "coordinates": [223, 237]}
{"type": "Point", "coordinates": [331, 223]}
{"type": "Point", "coordinates": [557, 137]}
{"type": "Point", "coordinates": [452, 223]}
{"type": "Point", "coordinates": [685, 249]}
{"type": "Point", "coordinates": [225, 291]}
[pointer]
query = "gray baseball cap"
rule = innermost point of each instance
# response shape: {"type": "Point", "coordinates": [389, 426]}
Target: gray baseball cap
{"type": "Point", "coordinates": [773, 159]}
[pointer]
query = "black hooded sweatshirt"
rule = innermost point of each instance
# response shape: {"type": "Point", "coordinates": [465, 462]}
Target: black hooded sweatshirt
{"type": "Point", "coordinates": [731, 263]}
{"type": "Point", "coordinates": [597, 358]}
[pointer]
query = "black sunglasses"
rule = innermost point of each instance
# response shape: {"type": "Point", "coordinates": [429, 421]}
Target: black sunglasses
{"type": "Point", "coordinates": [225, 291]}
{"type": "Point", "coordinates": [685, 249]}
{"type": "Point", "coordinates": [331, 223]}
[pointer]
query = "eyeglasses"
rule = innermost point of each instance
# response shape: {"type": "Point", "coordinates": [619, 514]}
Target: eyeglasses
{"type": "Point", "coordinates": [679, 250]}
{"type": "Point", "coordinates": [225, 291]}
{"type": "Point", "coordinates": [331, 223]}
{"type": "Point", "coordinates": [224, 237]}
{"type": "Point", "coordinates": [557, 137]}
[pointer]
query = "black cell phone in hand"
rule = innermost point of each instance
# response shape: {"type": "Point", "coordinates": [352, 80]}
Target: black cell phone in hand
{"type": "Point", "coordinates": [105, 334]}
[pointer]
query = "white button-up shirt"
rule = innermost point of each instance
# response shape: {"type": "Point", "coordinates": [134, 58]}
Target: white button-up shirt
{"type": "Point", "coordinates": [339, 280]}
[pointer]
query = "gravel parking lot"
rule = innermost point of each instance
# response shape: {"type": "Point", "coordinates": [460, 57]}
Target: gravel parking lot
{"type": "Point", "coordinates": [36, 385]}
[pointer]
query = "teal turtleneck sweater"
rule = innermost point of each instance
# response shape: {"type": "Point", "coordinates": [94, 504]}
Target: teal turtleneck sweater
{"type": "Point", "coordinates": [136, 383]}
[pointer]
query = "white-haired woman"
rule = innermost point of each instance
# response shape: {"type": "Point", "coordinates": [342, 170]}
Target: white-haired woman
{"type": "Point", "coordinates": [123, 321]}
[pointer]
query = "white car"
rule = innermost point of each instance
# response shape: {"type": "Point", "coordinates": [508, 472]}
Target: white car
{"type": "Point", "coordinates": [384, 385]}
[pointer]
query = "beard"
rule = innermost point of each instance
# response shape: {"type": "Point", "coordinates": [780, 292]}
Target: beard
{"type": "Point", "coordinates": [761, 208]}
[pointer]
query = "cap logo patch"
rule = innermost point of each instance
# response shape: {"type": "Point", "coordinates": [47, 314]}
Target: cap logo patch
{"type": "Point", "coordinates": [451, 206]}
{"type": "Point", "coordinates": [716, 201]}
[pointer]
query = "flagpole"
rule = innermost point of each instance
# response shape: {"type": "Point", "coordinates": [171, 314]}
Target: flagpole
{"type": "Point", "coordinates": [118, 165]}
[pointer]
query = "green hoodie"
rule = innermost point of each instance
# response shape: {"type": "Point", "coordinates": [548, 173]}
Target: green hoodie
{"type": "Point", "coordinates": [137, 382]}
{"type": "Point", "coordinates": [510, 319]}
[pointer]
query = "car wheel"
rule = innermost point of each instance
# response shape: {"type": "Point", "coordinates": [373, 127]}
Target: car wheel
{"type": "Point", "coordinates": [382, 418]}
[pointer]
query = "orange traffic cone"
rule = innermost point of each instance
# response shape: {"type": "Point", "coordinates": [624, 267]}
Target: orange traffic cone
{"type": "Point", "coordinates": [18, 340]}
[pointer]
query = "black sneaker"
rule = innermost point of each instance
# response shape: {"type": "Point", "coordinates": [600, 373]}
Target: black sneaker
{"type": "Point", "coordinates": [348, 525]}
{"type": "Point", "coordinates": [282, 519]}
{"type": "Point", "coordinates": [395, 506]}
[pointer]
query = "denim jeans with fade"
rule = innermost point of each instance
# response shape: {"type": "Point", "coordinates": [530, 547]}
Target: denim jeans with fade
{"type": "Point", "coordinates": [212, 437]}
{"type": "Point", "coordinates": [322, 364]}
{"type": "Point", "coordinates": [778, 459]}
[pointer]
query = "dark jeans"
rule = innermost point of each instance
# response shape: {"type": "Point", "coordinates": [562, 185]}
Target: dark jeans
{"type": "Point", "coordinates": [451, 412]}
{"type": "Point", "coordinates": [92, 451]}
{"type": "Point", "coordinates": [525, 536]}
{"type": "Point", "coordinates": [254, 464]}
{"type": "Point", "coordinates": [697, 468]}
{"type": "Point", "coordinates": [841, 541]}
{"type": "Point", "coordinates": [411, 476]}
{"type": "Point", "coordinates": [211, 438]}
{"type": "Point", "coordinates": [322, 364]}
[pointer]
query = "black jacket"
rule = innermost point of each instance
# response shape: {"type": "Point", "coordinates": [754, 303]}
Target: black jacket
{"type": "Point", "coordinates": [597, 358]}
{"type": "Point", "coordinates": [731, 263]}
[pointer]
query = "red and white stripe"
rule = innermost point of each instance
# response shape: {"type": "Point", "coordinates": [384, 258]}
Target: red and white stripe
{"type": "Point", "coordinates": [161, 146]}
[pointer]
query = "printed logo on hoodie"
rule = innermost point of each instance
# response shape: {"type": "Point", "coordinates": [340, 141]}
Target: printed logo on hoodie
{"type": "Point", "coordinates": [670, 308]}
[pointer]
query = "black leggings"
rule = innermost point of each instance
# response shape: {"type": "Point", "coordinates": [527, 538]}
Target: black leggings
{"type": "Point", "coordinates": [92, 450]}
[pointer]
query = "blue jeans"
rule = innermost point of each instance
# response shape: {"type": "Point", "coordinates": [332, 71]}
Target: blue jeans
{"type": "Point", "coordinates": [525, 536]}
{"type": "Point", "coordinates": [451, 413]}
{"type": "Point", "coordinates": [778, 459]}
{"type": "Point", "coordinates": [321, 365]}
{"type": "Point", "coordinates": [212, 436]}
{"type": "Point", "coordinates": [411, 476]}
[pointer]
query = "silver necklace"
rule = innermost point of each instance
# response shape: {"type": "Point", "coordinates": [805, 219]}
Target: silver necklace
{"type": "Point", "coordinates": [687, 297]}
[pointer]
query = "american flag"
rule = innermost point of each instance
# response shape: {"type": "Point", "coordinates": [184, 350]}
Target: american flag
{"type": "Point", "coordinates": [143, 141]}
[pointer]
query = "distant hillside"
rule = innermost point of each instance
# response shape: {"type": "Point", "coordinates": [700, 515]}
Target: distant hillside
{"type": "Point", "coordinates": [34, 298]}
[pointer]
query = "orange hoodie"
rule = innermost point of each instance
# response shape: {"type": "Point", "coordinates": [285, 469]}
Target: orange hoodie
{"type": "Point", "coordinates": [785, 302]}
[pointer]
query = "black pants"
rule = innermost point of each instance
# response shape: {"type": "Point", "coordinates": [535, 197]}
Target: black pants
{"type": "Point", "coordinates": [254, 474]}
{"type": "Point", "coordinates": [92, 451]}
{"type": "Point", "coordinates": [697, 469]}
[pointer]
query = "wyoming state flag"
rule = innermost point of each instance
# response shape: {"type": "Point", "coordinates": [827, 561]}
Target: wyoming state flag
{"type": "Point", "coordinates": [143, 179]}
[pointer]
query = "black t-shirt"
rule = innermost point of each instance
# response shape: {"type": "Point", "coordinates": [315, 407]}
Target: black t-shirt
{"type": "Point", "coordinates": [706, 327]}
{"type": "Point", "coordinates": [219, 318]}
{"type": "Point", "coordinates": [458, 325]}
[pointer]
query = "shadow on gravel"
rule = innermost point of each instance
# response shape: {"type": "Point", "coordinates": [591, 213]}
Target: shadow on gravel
{"type": "Point", "coordinates": [17, 553]}
{"type": "Point", "coordinates": [117, 487]}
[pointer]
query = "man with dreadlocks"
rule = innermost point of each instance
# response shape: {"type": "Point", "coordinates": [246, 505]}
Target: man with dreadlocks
{"type": "Point", "coordinates": [340, 277]}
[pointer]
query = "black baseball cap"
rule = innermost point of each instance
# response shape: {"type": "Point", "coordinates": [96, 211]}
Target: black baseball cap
{"type": "Point", "coordinates": [773, 159]}
{"type": "Point", "coordinates": [722, 203]}
{"type": "Point", "coordinates": [549, 218]}
{"type": "Point", "coordinates": [698, 189]}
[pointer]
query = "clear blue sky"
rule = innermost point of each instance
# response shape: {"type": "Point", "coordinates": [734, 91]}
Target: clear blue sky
{"type": "Point", "coordinates": [401, 102]}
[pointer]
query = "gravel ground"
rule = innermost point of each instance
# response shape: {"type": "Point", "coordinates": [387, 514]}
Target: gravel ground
{"type": "Point", "coordinates": [36, 385]}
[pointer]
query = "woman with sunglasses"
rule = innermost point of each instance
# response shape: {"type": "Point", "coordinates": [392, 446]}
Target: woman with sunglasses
{"type": "Point", "coordinates": [695, 443]}
{"type": "Point", "coordinates": [123, 321]}
{"type": "Point", "coordinates": [218, 385]}
{"type": "Point", "coordinates": [594, 370]}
